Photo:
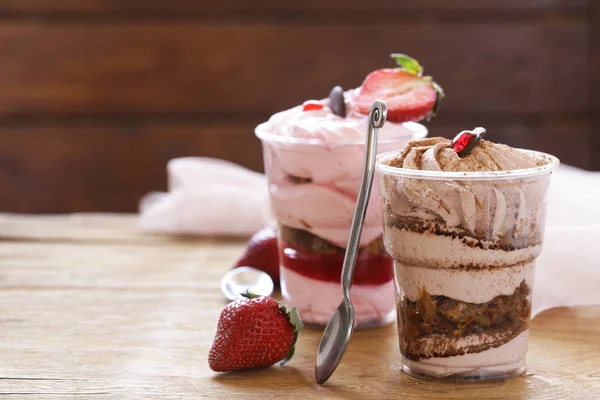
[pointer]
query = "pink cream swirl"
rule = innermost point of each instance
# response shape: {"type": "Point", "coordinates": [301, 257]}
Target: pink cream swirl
{"type": "Point", "coordinates": [313, 160]}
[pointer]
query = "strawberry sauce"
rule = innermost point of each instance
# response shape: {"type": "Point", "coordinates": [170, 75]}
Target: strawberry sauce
{"type": "Point", "coordinates": [371, 268]}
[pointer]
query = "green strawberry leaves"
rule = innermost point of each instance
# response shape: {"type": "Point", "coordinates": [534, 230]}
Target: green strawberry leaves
{"type": "Point", "coordinates": [408, 64]}
{"type": "Point", "coordinates": [298, 325]}
{"type": "Point", "coordinates": [249, 294]}
{"type": "Point", "coordinates": [295, 319]}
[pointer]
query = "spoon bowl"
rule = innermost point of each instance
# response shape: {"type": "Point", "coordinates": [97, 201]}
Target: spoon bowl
{"type": "Point", "coordinates": [246, 279]}
{"type": "Point", "coordinates": [334, 341]}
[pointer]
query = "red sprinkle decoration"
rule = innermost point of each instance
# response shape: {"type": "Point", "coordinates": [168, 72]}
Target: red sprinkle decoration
{"type": "Point", "coordinates": [466, 141]}
{"type": "Point", "coordinates": [312, 105]}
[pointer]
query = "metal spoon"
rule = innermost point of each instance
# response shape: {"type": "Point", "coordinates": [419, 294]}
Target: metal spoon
{"type": "Point", "coordinates": [243, 279]}
{"type": "Point", "coordinates": [339, 329]}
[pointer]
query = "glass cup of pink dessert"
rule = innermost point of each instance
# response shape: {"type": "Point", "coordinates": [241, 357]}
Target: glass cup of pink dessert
{"type": "Point", "coordinates": [313, 156]}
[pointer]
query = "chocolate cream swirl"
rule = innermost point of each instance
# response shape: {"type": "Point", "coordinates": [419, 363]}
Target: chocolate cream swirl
{"type": "Point", "coordinates": [489, 210]}
{"type": "Point", "coordinates": [435, 154]}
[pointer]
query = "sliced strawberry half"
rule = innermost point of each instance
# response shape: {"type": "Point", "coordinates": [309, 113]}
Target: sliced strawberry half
{"type": "Point", "coordinates": [408, 95]}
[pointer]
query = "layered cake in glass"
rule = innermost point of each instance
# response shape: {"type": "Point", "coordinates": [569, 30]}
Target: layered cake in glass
{"type": "Point", "coordinates": [313, 156]}
{"type": "Point", "coordinates": [313, 161]}
{"type": "Point", "coordinates": [464, 231]}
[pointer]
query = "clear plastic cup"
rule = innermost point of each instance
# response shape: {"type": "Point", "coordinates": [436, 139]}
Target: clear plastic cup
{"type": "Point", "coordinates": [313, 188]}
{"type": "Point", "coordinates": [464, 246]}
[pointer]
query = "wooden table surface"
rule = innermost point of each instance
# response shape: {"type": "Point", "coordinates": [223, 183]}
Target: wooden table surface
{"type": "Point", "coordinates": [91, 309]}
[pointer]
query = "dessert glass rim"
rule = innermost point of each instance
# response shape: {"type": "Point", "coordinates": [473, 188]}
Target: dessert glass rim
{"type": "Point", "coordinates": [551, 163]}
{"type": "Point", "coordinates": [419, 132]}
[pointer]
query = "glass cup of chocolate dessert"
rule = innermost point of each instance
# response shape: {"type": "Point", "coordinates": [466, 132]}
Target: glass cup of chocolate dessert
{"type": "Point", "coordinates": [464, 223]}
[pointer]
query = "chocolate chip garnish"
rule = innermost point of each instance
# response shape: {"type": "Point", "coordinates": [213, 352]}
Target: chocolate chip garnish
{"type": "Point", "coordinates": [336, 101]}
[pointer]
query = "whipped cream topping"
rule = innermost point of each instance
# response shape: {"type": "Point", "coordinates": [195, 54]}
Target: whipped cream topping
{"type": "Point", "coordinates": [489, 210]}
{"type": "Point", "coordinates": [327, 154]}
{"type": "Point", "coordinates": [326, 127]}
{"type": "Point", "coordinates": [435, 154]}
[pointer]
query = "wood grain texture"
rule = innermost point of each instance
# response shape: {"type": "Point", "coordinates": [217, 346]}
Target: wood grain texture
{"type": "Point", "coordinates": [97, 228]}
{"type": "Point", "coordinates": [90, 319]}
{"type": "Point", "coordinates": [108, 167]}
{"type": "Point", "coordinates": [98, 94]}
{"type": "Point", "coordinates": [594, 69]}
{"type": "Point", "coordinates": [234, 69]}
{"type": "Point", "coordinates": [176, 7]}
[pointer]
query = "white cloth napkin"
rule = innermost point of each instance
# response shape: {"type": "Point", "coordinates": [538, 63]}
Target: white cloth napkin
{"type": "Point", "coordinates": [207, 197]}
{"type": "Point", "coordinates": [568, 269]}
{"type": "Point", "coordinates": [215, 197]}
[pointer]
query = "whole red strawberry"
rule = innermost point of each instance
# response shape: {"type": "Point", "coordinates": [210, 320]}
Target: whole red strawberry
{"type": "Point", "coordinates": [262, 253]}
{"type": "Point", "coordinates": [255, 332]}
{"type": "Point", "coordinates": [408, 95]}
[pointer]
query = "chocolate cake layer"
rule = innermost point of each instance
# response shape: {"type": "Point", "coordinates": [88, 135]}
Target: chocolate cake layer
{"type": "Point", "coordinates": [298, 180]}
{"type": "Point", "coordinates": [313, 243]}
{"type": "Point", "coordinates": [439, 319]}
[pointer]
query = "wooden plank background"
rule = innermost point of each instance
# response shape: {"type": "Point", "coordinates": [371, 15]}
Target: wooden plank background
{"type": "Point", "coordinates": [96, 95]}
{"type": "Point", "coordinates": [594, 62]}
{"type": "Point", "coordinates": [225, 7]}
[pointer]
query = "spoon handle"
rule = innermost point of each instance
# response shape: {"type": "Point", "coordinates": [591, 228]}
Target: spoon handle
{"type": "Point", "coordinates": [376, 120]}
